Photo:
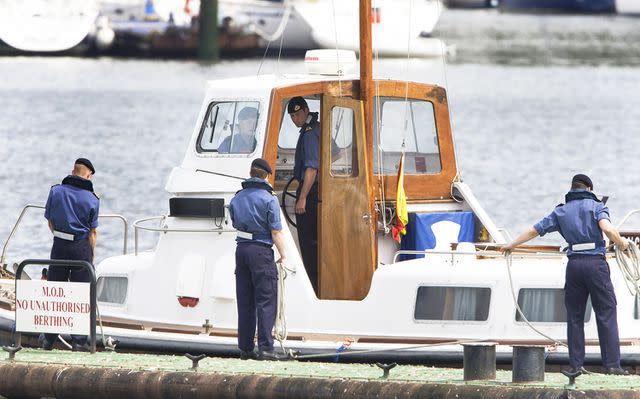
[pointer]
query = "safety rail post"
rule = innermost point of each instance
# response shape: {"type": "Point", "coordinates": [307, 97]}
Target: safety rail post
{"type": "Point", "coordinates": [92, 292]}
{"type": "Point", "coordinates": [24, 210]}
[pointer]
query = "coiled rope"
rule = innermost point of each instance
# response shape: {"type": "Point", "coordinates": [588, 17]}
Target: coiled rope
{"type": "Point", "coordinates": [629, 264]}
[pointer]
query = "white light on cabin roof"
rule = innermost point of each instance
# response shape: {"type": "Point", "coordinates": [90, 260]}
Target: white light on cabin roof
{"type": "Point", "coordinates": [330, 62]}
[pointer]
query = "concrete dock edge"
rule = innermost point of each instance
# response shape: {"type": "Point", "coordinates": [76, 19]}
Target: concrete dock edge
{"type": "Point", "coordinates": [59, 381]}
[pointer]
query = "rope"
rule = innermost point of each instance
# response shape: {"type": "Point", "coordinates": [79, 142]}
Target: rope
{"type": "Point", "coordinates": [280, 333]}
{"type": "Point", "coordinates": [509, 259]}
{"type": "Point", "coordinates": [629, 266]}
{"type": "Point", "coordinates": [334, 354]}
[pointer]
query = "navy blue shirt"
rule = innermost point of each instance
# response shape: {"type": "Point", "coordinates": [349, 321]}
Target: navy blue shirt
{"type": "Point", "coordinates": [72, 207]}
{"type": "Point", "coordinates": [307, 147]}
{"type": "Point", "coordinates": [256, 211]}
{"type": "Point", "coordinates": [240, 144]}
{"type": "Point", "coordinates": [577, 221]}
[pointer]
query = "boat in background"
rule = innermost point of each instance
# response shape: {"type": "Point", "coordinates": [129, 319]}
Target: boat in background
{"type": "Point", "coordinates": [569, 6]}
{"type": "Point", "coordinates": [297, 25]}
{"type": "Point", "coordinates": [53, 26]}
{"type": "Point", "coordinates": [631, 7]}
{"type": "Point", "coordinates": [470, 3]}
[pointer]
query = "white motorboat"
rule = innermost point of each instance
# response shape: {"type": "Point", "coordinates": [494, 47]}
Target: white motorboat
{"type": "Point", "coordinates": [180, 296]}
{"type": "Point", "coordinates": [52, 26]}
{"type": "Point", "coordinates": [304, 24]}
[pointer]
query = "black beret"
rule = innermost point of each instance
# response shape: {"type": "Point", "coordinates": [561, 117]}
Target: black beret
{"type": "Point", "coordinates": [584, 179]}
{"type": "Point", "coordinates": [261, 164]}
{"type": "Point", "coordinates": [296, 104]}
{"type": "Point", "coordinates": [248, 113]}
{"type": "Point", "coordinates": [87, 163]}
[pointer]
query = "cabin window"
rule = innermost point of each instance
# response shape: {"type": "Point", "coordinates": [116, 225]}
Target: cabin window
{"type": "Point", "coordinates": [452, 303]}
{"type": "Point", "coordinates": [344, 156]}
{"type": "Point", "coordinates": [112, 289]}
{"type": "Point", "coordinates": [411, 122]}
{"type": "Point", "coordinates": [288, 137]}
{"type": "Point", "coordinates": [229, 128]}
{"type": "Point", "coordinates": [545, 305]}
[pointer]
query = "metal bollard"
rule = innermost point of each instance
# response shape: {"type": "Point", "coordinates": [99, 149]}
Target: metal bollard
{"type": "Point", "coordinates": [479, 361]}
{"type": "Point", "coordinates": [528, 363]}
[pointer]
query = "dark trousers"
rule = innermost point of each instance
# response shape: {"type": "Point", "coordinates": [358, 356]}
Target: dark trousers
{"type": "Point", "coordinates": [70, 250]}
{"type": "Point", "coordinates": [256, 294]}
{"type": "Point", "coordinates": [589, 276]}
{"type": "Point", "coordinates": [308, 235]}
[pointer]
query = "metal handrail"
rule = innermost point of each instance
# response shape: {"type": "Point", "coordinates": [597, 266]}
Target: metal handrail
{"type": "Point", "coordinates": [164, 229]}
{"type": "Point", "coordinates": [485, 253]}
{"type": "Point", "coordinates": [627, 216]}
{"type": "Point", "coordinates": [24, 210]}
{"type": "Point", "coordinates": [506, 233]}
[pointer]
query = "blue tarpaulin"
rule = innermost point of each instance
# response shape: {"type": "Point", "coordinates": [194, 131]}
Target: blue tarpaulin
{"type": "Point", "coordinates": [420, 236]}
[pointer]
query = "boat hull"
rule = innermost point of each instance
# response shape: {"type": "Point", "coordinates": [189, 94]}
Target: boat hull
{"type": "Point", "coordinates": [582, 6]}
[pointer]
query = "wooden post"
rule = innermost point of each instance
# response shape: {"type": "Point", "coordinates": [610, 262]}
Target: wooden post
{"type": "Point", "coordinates": [208, 31]}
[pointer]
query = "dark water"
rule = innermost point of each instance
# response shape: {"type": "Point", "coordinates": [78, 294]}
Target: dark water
{"type": "Point", "coordinates": [534, 99]}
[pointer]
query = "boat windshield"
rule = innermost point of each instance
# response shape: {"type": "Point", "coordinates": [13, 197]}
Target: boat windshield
{"type": "Point", "coordinates": [411, 122]}
{"type": "Point", "coordinates": [229, 128]}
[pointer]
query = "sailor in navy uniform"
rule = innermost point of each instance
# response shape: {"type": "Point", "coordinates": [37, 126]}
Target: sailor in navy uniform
{"type": "Point", "coordinates": [581, 222]}
{"type": "Point", "coordinates": [255, 213]}
{"type": "Point", "coordinates": [305, 171]}
{"type": "Point", "coordinates": [72, 211]}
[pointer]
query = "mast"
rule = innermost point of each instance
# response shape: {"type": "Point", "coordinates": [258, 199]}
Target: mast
{"type": "Point", "coordinates": [366, 96]}
{"type": "Point", "coordinates": [366, 79]}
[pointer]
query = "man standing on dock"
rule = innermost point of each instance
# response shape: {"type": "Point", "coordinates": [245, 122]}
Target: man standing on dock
{"type": "Point", "coordinates": [255, 213]}
{"type": "Point", "coordinates": [581, 222]}
{"type": "Point", "coordinates": [72, 212]}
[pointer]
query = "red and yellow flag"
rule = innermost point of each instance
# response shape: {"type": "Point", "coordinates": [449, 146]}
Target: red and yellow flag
{"type": "Point", "coordinates": [399, 228]}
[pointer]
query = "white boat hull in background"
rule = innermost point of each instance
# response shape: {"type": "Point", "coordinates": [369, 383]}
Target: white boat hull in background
{"type": "Point", "coordinates": [628, 6]}
{"type": "Point", "coordinates": [311, 25]}
{"type": "Point", "coordinates": [47, 26]}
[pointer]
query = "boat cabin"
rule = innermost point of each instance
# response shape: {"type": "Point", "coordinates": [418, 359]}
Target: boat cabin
{"type": "Point", "coordinates": [358, 164]}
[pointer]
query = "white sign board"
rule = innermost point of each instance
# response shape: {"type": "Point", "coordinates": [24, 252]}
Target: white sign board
{"type": "Point", "coordinates": [52, 307]}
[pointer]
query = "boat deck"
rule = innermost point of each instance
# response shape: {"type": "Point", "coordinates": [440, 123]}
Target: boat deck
{"type": "Point", "coordinates": [36, 371]}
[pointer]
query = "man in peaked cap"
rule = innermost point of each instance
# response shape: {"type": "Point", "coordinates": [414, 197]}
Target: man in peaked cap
{"type": "Point", "coordinates": [244, 141]}
{"type": "Point", "coordinates": [72, 213]}
{"type": "Point", "coordinates": [581, 221]}
{"type": "Point", "coordinates": [305, 171]}
{"type": "Point", "coordinates": [255, 213]}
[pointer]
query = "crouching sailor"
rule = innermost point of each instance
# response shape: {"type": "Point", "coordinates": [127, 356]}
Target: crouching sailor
{"type": "Point", "coordinates": [72, 211]}
{"type": "Point", "coordinates": [581, 222]}
{"type": "Point", "coordinates": [255, 213]}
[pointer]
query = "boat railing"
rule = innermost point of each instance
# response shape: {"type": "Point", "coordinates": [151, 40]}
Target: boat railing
{"type": "Point", "coordinates": [163, 228]}
{"type": "Point", "coordinates": [32, 206]}
{"type": "Point", "coordinates": [506, 233]}
{"type": "Point", "coordinates": [627, 216]}
{"type": "Point", "coordinates": [485, 253]}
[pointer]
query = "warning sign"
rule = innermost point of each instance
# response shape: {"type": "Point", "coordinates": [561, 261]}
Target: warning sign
{"type": "Point", "coordinates": [52, 307]}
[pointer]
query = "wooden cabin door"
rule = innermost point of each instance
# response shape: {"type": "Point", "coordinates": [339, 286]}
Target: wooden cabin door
{"type": "Point", "coordinates": [346, 231]}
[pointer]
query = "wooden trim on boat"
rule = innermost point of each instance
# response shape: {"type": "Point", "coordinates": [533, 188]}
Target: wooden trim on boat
{"type": "Point", "coordinates": [417, 187]}
{"type": "Point", "coordinates": [126, 326]}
